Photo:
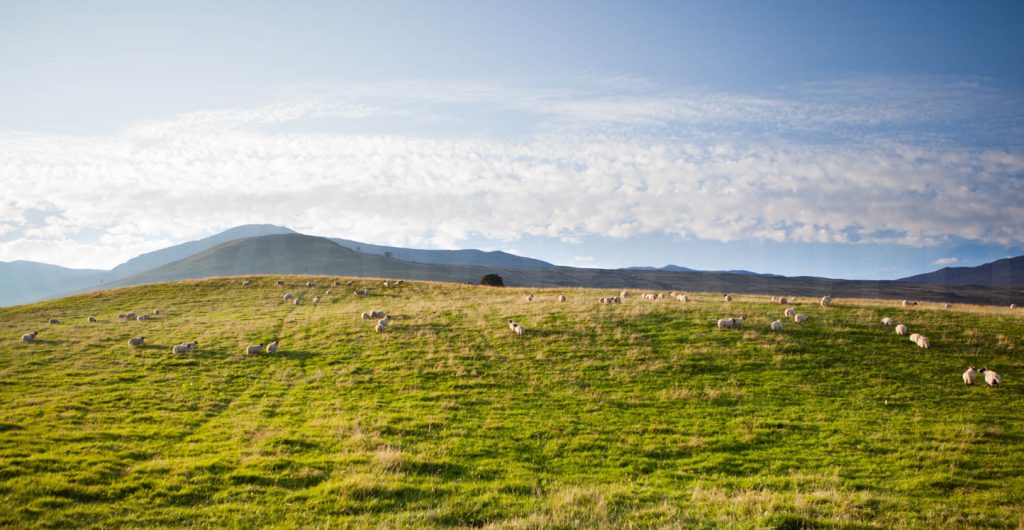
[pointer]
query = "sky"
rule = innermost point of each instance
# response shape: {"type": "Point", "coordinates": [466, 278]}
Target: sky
{"type": "Point", "coordinates": [842, 139]}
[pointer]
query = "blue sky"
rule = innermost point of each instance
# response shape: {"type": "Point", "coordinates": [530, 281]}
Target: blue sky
{"type": "Point", "coordinates": [845, 139]}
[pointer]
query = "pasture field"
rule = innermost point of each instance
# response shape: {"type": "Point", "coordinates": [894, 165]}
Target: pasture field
{"type": "Point", "coordinates": [632, 415]}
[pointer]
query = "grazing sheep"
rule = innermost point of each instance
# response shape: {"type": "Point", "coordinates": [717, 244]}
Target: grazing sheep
{"type": "Point", "coordinates": [185, 347]}
{"type": "Point", "coordinates": [327, 292]}
{"type": "Point", "coordinates": [136, 341]}
{"type": "Point", "coordinates": [624, 294]}
{"type": "Point", "coordinates": [386, 320]}
{"type": "Point", "coordinates": [901, 329]}
{"type": "Point", "coordinates": [377, 313]}
{"type": "Point", "coordinates": [337, 283]}
{"type": "Point", "coordinates": [254, 350]}
{"type": "Point", "coordinates": [1013, 306]}
{"type": "Point", "coordinates": [775, 299]}
{"type": "Point", "coordinates": [400, 282]}
{"type": "Point", "coordinates": [379, 327]}
{"type": "Point", "coordinates": [156, 312]}
{"type": "Point", "coordinates": [272, 347]}
{"type": "Point", "coordinates": [387, 283]}
{"type": "Point", "coordinates": [887, 321]}
{"type": "Point", "coordinates": [287, 296]}
{"type": "Point", "coordinates": [561, 298]}
{"type": "Point", "coordinates": [512, 324]}
{"type": "Point", "coordinates": [297, 301]}
{"type": "Point", "coordinates": [246, 283]}
{"type": "Point", "coordinates": [947, 306]}
{"type": "Point", "coordinates": [783, 301]}
{"type": "Point", "coordinates": [726, 323]}
{"type": "Point", "coordinates": [789, 313]}
{"type": "Point", "coordinates": [800, 318]}
{"type": "Point", "coordinates": [519, 330]}
{"type": "Point", "coordinates": [991, 377]}
{"type": "Point", "coordinates": [365, 316]}
{"type": "Point", "coordinates": [29, 337]}
{"type": "Point", "coordinates": [682, 298]}
{"type": "Point", "coordinates": [969, 375]}
{"type": "Point", "coordinates": [54, 321]}
{"type": "Point", "coordinates": [908, 303]}
{"type": "Point", "coordinates": [361, 292]}
{"type": "Point", "coordinates": [142, 318]}
{"type": "Point", "coordinates": [777, 325]}
{"type": "Point", "coordinates": [192, 345]}
{"type": "Point", "coordinates": [309, 284]}
{"type": "Point", "coordinates": [316, 300]}
{"type": "Point", "coordinates": [279, 282]}
{"type": "Point", "coordinates": [91, 320]}
{"type": "Point", "coordinates": [923, 342]}
{"type": "Point", "coordinates": [350, 282]}
{"type": "Point", "coordinates": [914, 337]}
{"type": "Point", "coordinates": [529, 298]}
{"type": "Point", "coordinates": [826, 301]}
{"type": "Point", "coordinates": [738, 321]}
{"type": "Point", "coordinates": [728, 298]}
{"type": "Point", "coordinates": [610, 300]}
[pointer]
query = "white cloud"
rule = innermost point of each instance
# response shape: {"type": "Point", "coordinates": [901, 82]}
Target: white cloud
{"type": "Point", "coordinates": [945, 262]}
{"type": "Point", "coordinates": [585, 170]}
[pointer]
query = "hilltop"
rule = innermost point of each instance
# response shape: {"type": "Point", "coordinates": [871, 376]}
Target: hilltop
{"type": "Point", "coordinates": [640, 413]}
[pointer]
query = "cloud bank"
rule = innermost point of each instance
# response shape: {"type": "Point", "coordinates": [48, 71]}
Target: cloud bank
{"type": "Point", "coordinates": [835, 162]}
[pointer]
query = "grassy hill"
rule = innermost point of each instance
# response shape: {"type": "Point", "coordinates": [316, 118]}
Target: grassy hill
{"type": "Point", "coordinates": [637, 414]}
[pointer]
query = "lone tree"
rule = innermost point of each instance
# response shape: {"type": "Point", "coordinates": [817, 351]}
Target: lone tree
{"type": "Point", "coordinates": [493, 280]}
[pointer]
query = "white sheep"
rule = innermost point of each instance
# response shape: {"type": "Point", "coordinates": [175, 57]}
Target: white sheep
{"type": "Point", "coordinates": [387, 283]}
{"type": "Point", "coordinates": [272, 347]}
{"type": "Point", "coordinates": [728, 298]}
{"type": "Point", "coordinates": [923, 342]}
{"type": "Point", "coordinates": [337, 283]}
{"type": "Point", "coordinates": [350, 282]}
{"type": "Point", "coordinates": [379, 327]}
{"type": "Point", "coordinates": [156, 312]}
{"type": "Point", "coordinates": [309, 284]}
{"type": "Point", "coordinates": [561, 298]}
{"type": "Point", "coordinates": [512, 324]}
{"type": "Point", "coordinates": [136, 341]}
{"type": "Point", "coordinates": [327, 292]}
{"type": "Point", "coordinates": [54, 321]}
{"type": "Point", "coordinates": [297, 301]}
{"type": "Point", "coordinates": [624, 294]}
{"type": "Point", "coordinates": [316, 300]}
{"type": "Point", "coordinates": [726, 323]}
{"type": "Point", "coordinates": [1013, 306]}
{"type": "Point", "coordinates": [365, 316]}
{"type": "Point", "coordinates": [377, 313]}
{"type": "Point", "coordinates": [279, 282]}
{"type": "Point", "coordinates": [777, 325]}
{"type": "Point", "coordinates": [783, 300]}
{"type": "Point", "coordinates": [192, 345]}
{"type": "Point", "coordinates": [914, 337]}
{"type": "Point", "coordinates": [529, 298]}
{"type": "Point", "coordinates": [738, 321]}
{"type": "Point", "coordinates": [789, 313]}
{"type": "Point", "coordinates": [386, 320]}
{"type": "Point", "coordinates": [400, 282]}
{"type": "Point", "coordinates": [947, 306]}
{"type": "Point", "coordinates": [91, 320]}
{"type": "Point", "coordinates": [520, 330]}
{"type": "Point", "coordinates": [361, 292]}
{"type": "Point", "coordinates": [887, 321]}
{"type": "Point", "coordinates": [29, 337]}
{"type": "Point", "coordinates": [185, 347]}
{"type": "Point", "coordinates": [991, 377]}
{"type": "Point", "coordinates": [826, 301]}
{"type": "Point", "coordinates": [254, 350]}
{"type": "Point", "coordinates": [901, 329]}
{"type": "Point", "coordinates": [908, 303]}
{"type": "Point", "coordinates": [800, 318]}
{"type": "Point", "coordinates": [287, 296]}
{"type": "Point", "coordinates": [246, 283]}
{"type": "Point", "coordinates": [775, 299]}
{"type": "Point", "coordinates": [969, 375]}
{"type": "Point", "coordinates": [142, 318]}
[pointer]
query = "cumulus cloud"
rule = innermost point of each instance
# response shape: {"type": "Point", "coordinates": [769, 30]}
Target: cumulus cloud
{"type": "Point", "coordinates": [945, 262]}
{"type": "Point", "coordinates": [585, 169]}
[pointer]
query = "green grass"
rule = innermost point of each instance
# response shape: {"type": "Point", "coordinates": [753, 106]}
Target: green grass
{"type": "Point", "coordinates": [640, 414]}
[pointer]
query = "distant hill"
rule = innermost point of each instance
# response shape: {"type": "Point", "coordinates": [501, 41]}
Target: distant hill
{"type": "Point", "coordinates": [27, 281]}
{"type": "Point", "coordinates": [150, 260]}
{"type": "Point", "coordinates": [1005, 272]}
{"type": "Point", "coordinates": [677, 268]}
{"type": "Point", "coordinates": [296, 254]}
{"type": "Point", "coordinates": [448, 257]}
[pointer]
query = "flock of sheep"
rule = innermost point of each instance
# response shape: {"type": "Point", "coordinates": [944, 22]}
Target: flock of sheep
{"type": "Point", "coordinates": [991, 378]}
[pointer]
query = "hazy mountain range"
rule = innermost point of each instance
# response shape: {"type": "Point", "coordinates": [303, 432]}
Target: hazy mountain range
{"type": "Point", "coordinates": [269, 249]}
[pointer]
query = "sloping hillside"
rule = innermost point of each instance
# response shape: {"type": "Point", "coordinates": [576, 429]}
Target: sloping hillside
{"type": "Point", "coordinates": [496, 259]}
{"type": "Point", "coordinates": [640, 414]}
{"type": "Point", "coordinates": [1007, 272]}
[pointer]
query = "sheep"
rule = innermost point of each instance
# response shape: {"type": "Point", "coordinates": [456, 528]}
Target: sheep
{"type": "Point", "coordinates": [777, 325]}
{"type": "Point", "coordinates": [529, 298]}
{"type": "Point", "coordinates": [682, 298]}
{"type": "Point", "coordinates": [91, 320]}
{"type": "Point", "coordinates": [826, 301]}
{"type": "Point", "coordinates": [1013, 306]}
{"type": "Point", "coordinates": [775, 299]}
{"type": "Point", "coordinates": [800, 318]}
{"type": "Point", "coordinates": [387, 283]}
{"type": "Point", "coordinates": [136, 341]}
{"type": "Point", "coordinates": [783, 301]}
{"type": "Point", "coordinates": [789, 313]}
{"type": "Point", "coordinates": [728, 298]}
{"type": "Point", "coordinates": [947, 306]}
{"type": "Point", "coordinates": [512, 324]}
{"type": "Point", "coordinates": [192, 345]}
{"type": "Point", "coordinates": [908, 303]}
{"type": "Point", "coordinates": [185, 347]}
{"type": "Point", "coordinates": [386, 320]}
{"type": "Point", "coordinates": [792, 300]}
{"type": "Point", "coordinates": [519, 330]}
{"type": "Point", "coordinates": [901, 329]}
{"type": "Point", "coordinates": [379, 327]}
{"type": "Point", "coordinates": [309, 283]}
{"type": "Point", "coordinates": [29, 337]}
{"type": "Point", "coordinates": [272, 347]}
{"type": "Point", "coordinates": [156, 312]}
{"type": "Point", "coordinates": [254, 350]}
{"type": "Point", "coordinates": [991, 377]}
{"type": "Point", "coordinates": [350, 282]}
{"type": "Point", "coordinates": [561, 298]}
{"type": "Point", "coordinates": [923, 342]}
{"type": "Point", "coordinates": [297, 301]}
{"type": "Point", "coordinates": [54, 321]}
{"type": "Point", "coordinates": [279, 283]}
{"type": "Point", "coordinates": [887, 321]}
{"type": "Point", "coordinates": [914, 337]}
{"type": "Point", "coordinates": [400, 282]}
{"type": "Point", "coordinates": [377, 313]}
{"type": "Point", "coordinates": [316, 300]}
{"type": "Point", "coordinates": [142, 318]}
{"type": "Point", "coordinates": [361, 292]}
{"type": "Point", "coordinates": [287, 296]}
{"type": "Point", "coordinates": [726, 323]}
{"type": "Point", "coordinates": [738, 322]}
{"type": "Point", "coordinates": [246, 283]}
{"type": "Point", "coordinates": [365, 316]}
{"type": "Point", "coordinates": [327, 292]}
{"type": "Point", "coordinates": [969, 375]}
{"type": "Point", "coordinates": [337, 283]}
{"type": "Point", "coordinates": [624, 294]}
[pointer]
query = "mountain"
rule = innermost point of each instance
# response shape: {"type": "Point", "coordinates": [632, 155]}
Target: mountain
{"type": "Point", "coordinates": [297, 254]}
{"type": "Point", "coordinates": [1005, 272]}
{"type": "Point", "coordinates": [448, 257]}
{"type": "Point", "coordinates": [167, 255]}
{"type": "Point", "coordinates": [27, 281]}
{"type": "Point", "coordinates": [677, 268]}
